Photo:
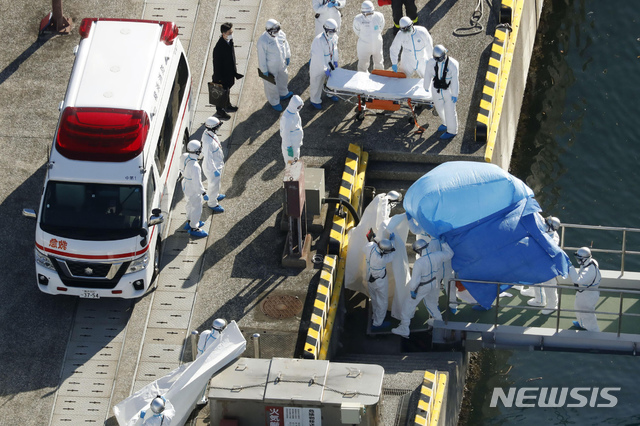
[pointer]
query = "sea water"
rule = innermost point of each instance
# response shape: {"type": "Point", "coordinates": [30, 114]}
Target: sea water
{"type": "Point", "coordinates": [578, 148]}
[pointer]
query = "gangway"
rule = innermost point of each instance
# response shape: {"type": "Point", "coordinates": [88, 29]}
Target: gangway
{"type": "Point", "coordinates": [512, 322]}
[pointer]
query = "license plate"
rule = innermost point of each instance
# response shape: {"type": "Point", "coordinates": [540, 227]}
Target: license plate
{"type": "Point", "coordinates": [89, 294]}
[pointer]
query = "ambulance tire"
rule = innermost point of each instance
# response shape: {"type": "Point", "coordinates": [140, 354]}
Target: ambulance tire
{"type": "Point", "coordinates": [156, 263]}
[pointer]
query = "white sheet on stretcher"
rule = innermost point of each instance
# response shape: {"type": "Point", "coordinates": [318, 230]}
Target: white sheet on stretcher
{"type": "Point", "coordinates": [377, 86]}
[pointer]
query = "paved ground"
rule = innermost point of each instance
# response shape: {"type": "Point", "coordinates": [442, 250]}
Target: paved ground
{"type": "Point", "coordinates": [242, 257]}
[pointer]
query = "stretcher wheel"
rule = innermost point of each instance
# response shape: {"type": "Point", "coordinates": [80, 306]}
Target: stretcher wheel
{"type": "Point", "coordinates": [360, 115]}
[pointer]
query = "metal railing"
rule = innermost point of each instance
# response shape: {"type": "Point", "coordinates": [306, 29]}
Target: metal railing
{"type": "Point", "coordinates": [561, 288]}
{"type": "Point", "coordinates": [623, 252]}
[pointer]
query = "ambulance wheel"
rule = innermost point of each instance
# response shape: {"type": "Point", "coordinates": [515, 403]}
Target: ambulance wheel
{"type": "Point", "coordinates": [156, 261]}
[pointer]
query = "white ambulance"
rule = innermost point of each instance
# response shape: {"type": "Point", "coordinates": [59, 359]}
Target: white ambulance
{"type": "Point", "coordinates": [113, 165]}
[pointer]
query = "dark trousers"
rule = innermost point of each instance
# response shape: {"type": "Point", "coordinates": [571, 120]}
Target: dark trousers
{"type": "Point", "coordinates": [410, 7]}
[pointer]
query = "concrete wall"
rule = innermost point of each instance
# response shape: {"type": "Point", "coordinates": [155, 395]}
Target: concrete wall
{"type": "Point", "coordinates": [514, 89]}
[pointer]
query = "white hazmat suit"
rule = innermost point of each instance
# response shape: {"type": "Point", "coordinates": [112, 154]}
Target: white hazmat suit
{"type": "Point", "coordinates": [369, 31]}
{"type": "Point", "coordinates": [324, 50]}
{"type": "Point", "coordinates": [291, 130]}
{"type": "Point", "coordinates": [192, 187]}
{"type": "Point", "coordinates": [377, 280]}
{"type": "Point", "coordinates": [212, 165]}
{"type": "Point", "coordinates": [417, 47]}
{"type": "Point", "coordinates": [273, 58]}
{"type": "Point", "coordinates": [443, 99]}
{"type": "Point", "coordinates": [587, 279]}
{"type": "Point", "coordinates": [327, 9]}
{"type": "Point", "coordinates": [149, 418]}
{"type": "Point", "coordinates": [428, 272]}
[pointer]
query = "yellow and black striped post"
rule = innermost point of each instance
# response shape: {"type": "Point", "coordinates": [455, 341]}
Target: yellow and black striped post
{"type": "Point", "coordinates": [320, 309]}
{"type": "Point", "coordinates": [490, 88]}
{"type": "Point", "coordinates": [352, 162]}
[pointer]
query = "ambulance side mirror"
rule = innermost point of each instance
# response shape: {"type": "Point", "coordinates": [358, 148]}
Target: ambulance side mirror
{"type": "Point", "coordinates": [30, 213]}
{"type": "Point", "coordinates": [156, 217]}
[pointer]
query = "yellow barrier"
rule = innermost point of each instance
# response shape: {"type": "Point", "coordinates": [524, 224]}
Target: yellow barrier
{"type": "Point", "coordinates": [336, 235]}
{"type": "Point", "coordinates": [318, 321]}
{"type": "Point", "coordinates": [431, 399]}
{"type": "Point", "coordinates": [512, 10]}
{"type": "Point", "coordinates": [323, 316]}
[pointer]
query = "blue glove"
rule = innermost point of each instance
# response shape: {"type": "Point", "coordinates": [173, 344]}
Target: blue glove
{"type": "Point", "coordinates": [266, 73]}
{"type": "Point", "coordinates": [288, 60]}
{"type": "Point", "coordinates": [394, 67]}
{"type": "Point", "coordinates": [331, 4]}
{"type": "Point", "coordinates": [205, 196]}
{"type": "Point", "coordinates": [216, 173]}
{"type": "Point", "coordinates": [327, 72]}
{"type": "Point", "coordinates": [454, 99]}
{"type": "Point", "coordinates": [290, 151]}
{"type": "Point", "coordinates": [414, 294]}
{"type": "Point", "coordinates": [335, 64]}
{"type": "Point", "coordinates": [392, 236]}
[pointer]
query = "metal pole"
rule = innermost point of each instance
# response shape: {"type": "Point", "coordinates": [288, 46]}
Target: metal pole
{"type": "Point", "coordinates": [62, 24]}
{"type": "Point", "coordinates": [624, 247]}
{"type": "Point", "coordinates": [194, 344]}
{"type": "Point", "coordinates": [256, 345]}
{"type": "Point", "coordinates": [559, 307]}
{"type": "Point", "coordinates": [300, 236]}
{"type": "Point", "coordinates": [620, 315]}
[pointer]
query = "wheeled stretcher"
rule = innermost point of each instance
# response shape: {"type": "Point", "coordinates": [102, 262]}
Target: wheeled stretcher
{"type": "Point", "coordinates": [379, 90]}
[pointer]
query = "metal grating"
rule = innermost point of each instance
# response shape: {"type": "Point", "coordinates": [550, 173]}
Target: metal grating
{"type": "Point", "coordinates": [174, 300]}
{"type": "Point", "coordinates": [161, 353]}
{"type": "Point", "coordinates": [180, 273]}
{"type": "Point", "coordinates": [238, 15]}
{"type": "Point", "coordinates": [281, 306]}
{"type": "Point", "coordinates": [169, 319]}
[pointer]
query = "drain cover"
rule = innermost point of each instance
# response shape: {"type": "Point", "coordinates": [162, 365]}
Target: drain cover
{"type": "Point", "coordinates": [281, 306]}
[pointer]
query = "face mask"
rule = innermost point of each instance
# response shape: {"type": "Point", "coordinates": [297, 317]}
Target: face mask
{"type": "Point", "coordinates": [230, 37]}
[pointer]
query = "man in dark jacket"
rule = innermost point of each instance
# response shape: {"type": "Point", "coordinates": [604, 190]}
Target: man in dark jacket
{"type": "Point", "coordinates": [224, 69]}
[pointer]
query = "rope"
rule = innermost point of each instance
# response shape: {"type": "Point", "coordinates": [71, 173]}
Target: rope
{"type": "Point", "coordinates": [476, 27]}
{"type": "Point", "coordinates": [348, 394]}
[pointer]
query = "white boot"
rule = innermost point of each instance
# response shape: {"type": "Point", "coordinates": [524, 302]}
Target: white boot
{"type": "Point", "coordinates": [527, 292]}
{"type": "Point", "coordinates": [401, 330]}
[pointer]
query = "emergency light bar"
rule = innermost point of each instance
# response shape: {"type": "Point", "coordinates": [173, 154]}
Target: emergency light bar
{"type": "Point", "coordinates": [168, 35]}
{"type": "Point", "coordinates": [102, 134]}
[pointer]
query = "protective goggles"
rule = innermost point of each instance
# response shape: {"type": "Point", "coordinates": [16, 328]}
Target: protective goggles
{"type": "Point", "coordinates": [367, 13]}
{"type": "Point", "coordinates": [440, 58]}
{"type": "Point", "coordinates": [329, 31]}
{"type": "Point", "coordinates": [275, 30]}
{"type": "Point", "coordinates": [407, 28]}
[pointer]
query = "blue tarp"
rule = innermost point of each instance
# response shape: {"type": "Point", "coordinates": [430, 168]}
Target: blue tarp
{"type": "Point", "coordinates": [457, 193]}
{"type": "Point", "coordinates": [490, 220]}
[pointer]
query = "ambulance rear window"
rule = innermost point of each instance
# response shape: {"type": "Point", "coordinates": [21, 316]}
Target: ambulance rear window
{"type": "Point", "coordinates": [102, 134]}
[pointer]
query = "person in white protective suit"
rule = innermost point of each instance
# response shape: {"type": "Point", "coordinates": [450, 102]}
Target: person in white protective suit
{"type": "Point", "coordinates": [545, 296]}
{"type": "Point", "coordinates": [327, 9]}
{"type": "Point", "coordinates": [428, 272]}
{"type": "Point", "coordinates": [441, 81]}
{"type": "Point", "coordinates": [368, 26]}
{"type": "Point", "coordinates": [378, 255]}
{"type": "Point", "coordinates": [434, 245]}
{"type": "Point", "coordinates": [204, 341]}
{"type": "Point", "coordinates": [417, 46]}
{"type": "Point", "coordinates": [213, 163]}
{"type": "Point", "coordinates": [159, 413]}
{"type": "Point", "coordinates": [324, 59]}
{"type": "Point", "coordinates": [586, 279]}
{"type": "Point", "coordinates": [291, 130]}
{"type": "Point", "coordinates": [192, 187]}
{"type": "Point", "coordinates": [274, 56]}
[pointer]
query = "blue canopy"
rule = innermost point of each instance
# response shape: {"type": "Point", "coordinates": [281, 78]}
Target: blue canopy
{"type": "Point", "coordinates": [458, 193]}
{"type": "Point", "coordinates": [491, 221]}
